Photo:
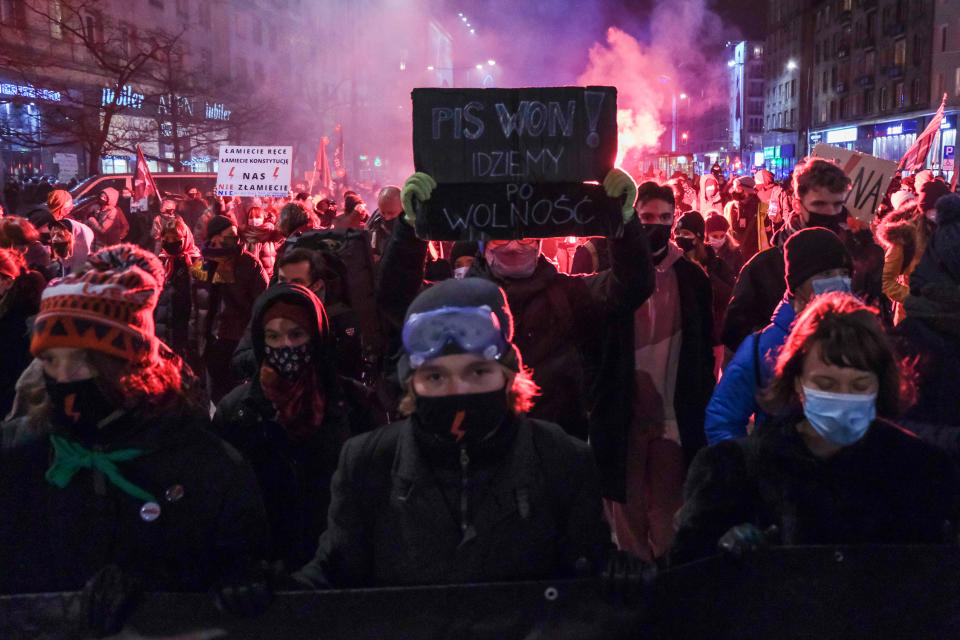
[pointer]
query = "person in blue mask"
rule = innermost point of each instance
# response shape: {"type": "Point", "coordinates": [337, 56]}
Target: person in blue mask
{"type": "Point", "coordinates": [831, 469]}
{"type": "Point", "coordinates": [467, 488]}
{"type": "Point", "coordinates": [816, 262]}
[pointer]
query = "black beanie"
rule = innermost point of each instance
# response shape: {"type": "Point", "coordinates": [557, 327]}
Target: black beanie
{"type": "Point", "coordinates": [217, 224]}
{"type": "Point", "coordinates": [469, 292]}
{"type": "Point", "coordinates": [693, 222]}
{"type": "Point", "coordinates": [462, 249]}
{"type": "Point", "coordinates": [810, 251]}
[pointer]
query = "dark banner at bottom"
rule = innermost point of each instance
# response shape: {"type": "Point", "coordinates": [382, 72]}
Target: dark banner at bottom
{"type": "Point", "coordinates": [804, 592]}
{"type": "Point", "coordinates": [475, 212]}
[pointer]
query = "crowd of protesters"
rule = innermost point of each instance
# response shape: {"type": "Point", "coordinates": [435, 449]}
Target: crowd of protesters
{"type": "Point", "coordinates": [242, 395]}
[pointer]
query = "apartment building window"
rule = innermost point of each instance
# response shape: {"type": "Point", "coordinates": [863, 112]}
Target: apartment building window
{"type": "Point", "coordinates": [833, 110]}
{"type": "Point", "coordinates": [844, 108]}
{"type": "Point", "coordinates": [93, 27]}
{"type": "Point", "coordinates": [870, 63]}
{"type": "Point", "coordinates": [899, 52]}
{"type": "Point", "coordinates": [824, 88]}
{"type": "Point", "coordinates": [884, 99]}
{"type": "Point", "coordinates": [868, 101]}
{"type": "Point", "coordinates": [793, 88]}
{"type": "Point", "coordinates": [793, 117]}
{"type": "Point", "coordinates": [916, 91]}
{"type": "Point", "coordinates": [898, 94]}
{"type": "Point", "coordinates": [939, 84]}
{"type": "Point", "coordinates": [847, 5]}
{"type": "Point", "coordinates": [13, 12]}
{"type": "Point", "coordinates": [956, 83]}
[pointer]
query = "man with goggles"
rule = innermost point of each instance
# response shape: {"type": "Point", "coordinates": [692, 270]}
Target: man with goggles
{"type": "Point", "coordinates": [467, 488]}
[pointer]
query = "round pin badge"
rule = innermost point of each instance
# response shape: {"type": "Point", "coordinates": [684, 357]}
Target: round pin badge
{"type": "Point", "coordinates": [150, 512]}
{"type": "Point", "coordinates": [174, 493]}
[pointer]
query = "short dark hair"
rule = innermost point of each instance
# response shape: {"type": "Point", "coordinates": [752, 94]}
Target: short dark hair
{"type": "Point", "coordinates": [816, 172]}
{"type": "Point", "coordinates": [319, 270]}
{"type": "Point", "coordinates": [652, 191]}
{"type": "Point", "coordinates": [850, 335]}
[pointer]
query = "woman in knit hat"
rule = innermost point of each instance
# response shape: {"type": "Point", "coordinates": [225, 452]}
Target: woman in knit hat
{"type": "Point", "coordinates": [114, 479]}
{"type": "Point", "coordinates": [717, 231]}
{"type": "Point", "coordinates": [466, 488]}
{"type": "Point", "coordinates": [292, 418]}
{"type": "Point", "coordinates": [178, 253]}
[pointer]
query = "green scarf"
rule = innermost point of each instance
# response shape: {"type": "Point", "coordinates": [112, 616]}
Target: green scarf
{"type": "Point", "coordinates": [71, 457]}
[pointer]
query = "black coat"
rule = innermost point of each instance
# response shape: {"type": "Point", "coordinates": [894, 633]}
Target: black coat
{"type": "Point", "coordinates": [390, 523]}
{"type": "Point", "coordinates": [611, 414]}
{"type": "Point", "coordinates": [54, 539]}
{"type": "Point", "coordinates": [17, 307]}
{"type": "Point", "coordinates": [887, 488]}
{"type": "Point", "coordinates": [294, 475]}
{"type": "Point", "coordinates": [557, 317]}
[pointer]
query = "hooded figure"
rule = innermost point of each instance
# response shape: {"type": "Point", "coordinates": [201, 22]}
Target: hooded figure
{"type": "Point", "coordinates": [291, 420]}
{"type": "Point", "coordinates": [467, 488]}
{"type": "Point", "coordinates": [108, 223]}
{"type": "Point", "coordinates": [116, 477]}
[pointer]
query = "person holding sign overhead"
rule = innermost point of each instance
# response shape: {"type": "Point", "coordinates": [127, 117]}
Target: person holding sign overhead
{"type": "Point", "coordinates": [558, 316]}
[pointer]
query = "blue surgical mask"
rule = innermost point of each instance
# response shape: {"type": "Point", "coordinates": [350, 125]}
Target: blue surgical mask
{"type": "Point", "coordinates": [836, 283]}
{"type": "Point", "coordinates": [840, 418]}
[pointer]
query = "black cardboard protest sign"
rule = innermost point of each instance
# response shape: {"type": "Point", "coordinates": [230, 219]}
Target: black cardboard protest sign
{"type": "Point", "coordinates": [539, 134]}
{"type": "Point", "coordinates": [541, 210]}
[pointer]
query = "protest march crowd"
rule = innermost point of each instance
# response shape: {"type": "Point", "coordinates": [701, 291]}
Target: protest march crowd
{"type": "Point", "coordinates": [248, 395]}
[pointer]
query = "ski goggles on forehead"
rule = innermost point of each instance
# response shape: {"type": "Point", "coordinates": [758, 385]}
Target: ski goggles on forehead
{"type": "Point", "coordinates": [476, 330]}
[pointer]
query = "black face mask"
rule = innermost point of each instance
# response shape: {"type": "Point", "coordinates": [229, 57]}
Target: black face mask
{"type": "Point", "coordinates": [60, 248]}
{"type": "Point", "coordinates": [657, 235]}
{"type": "Point", "coordinates": [173, 248]}
{"type": "Point", "coordinates": [78, 406]}
{"type": "Point", "coordinates": [687, 244]}
{"type": "Point", "coordinates": [462, 419]}
{"type": "Point", "coordinates": [823, 220]}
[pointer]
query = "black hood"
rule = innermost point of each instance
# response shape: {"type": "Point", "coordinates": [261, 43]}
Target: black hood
{"type": "Point", "coordinates": [295, 294]}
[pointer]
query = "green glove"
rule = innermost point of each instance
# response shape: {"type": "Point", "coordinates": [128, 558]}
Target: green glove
{"type": "Point", "coordinates": [619, 183]}
{"type": "Point", "coordinates": [420, 186]}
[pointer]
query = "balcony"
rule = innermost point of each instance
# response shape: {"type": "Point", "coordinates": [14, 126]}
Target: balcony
{"type": "Point", "coordinates": [895, 71]}
{"type": "Point", "coordinates": [865, 81]}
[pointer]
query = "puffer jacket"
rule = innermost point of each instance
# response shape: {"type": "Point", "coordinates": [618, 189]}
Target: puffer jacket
{"type": "Point", "coordinates": [109, 225]}
{"type": "Point", "coordinates": [734, 399]}
{"type": "Point", "coordinates": [211, 527]}
{"type": "Point", "coordinates": [904, 240]}
{"type": "Point", "coordinates": [263, 250]}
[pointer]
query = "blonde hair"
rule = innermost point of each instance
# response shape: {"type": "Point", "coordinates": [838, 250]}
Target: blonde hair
{"type": "Point", "coordinates": [521, 392]}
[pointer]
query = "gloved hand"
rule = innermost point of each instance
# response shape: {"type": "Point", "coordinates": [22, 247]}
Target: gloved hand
{"type": "Point", "coordinates": [746, 538]}
{"type": "Point", "coordinates": [420, 186]}
{"type": "Point", "coordinates": [625, 575]}
{"type": "Point", "coordinates": [248, 596]}
{"type": "Point", "coordinates": [619, 183]}
{"type": "Point", "coordinates": [109, 597]}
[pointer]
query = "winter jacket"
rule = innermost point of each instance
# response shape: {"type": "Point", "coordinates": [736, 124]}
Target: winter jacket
{"type": "Point", "coordinates": [380, 230]}
{"type": "Point", "coordinates": [17, 307]}
{"type": "Point", "coordinates": [83, 239]}
{"type": "Point", "coordinates": [761, 284]}
{"type": "Point", "coordinates": [731, 255]}
{"type": "Point", "coordinates": [748, 224]}
{"type": "Point", "coordinates": [109, 225]}
{"type": "Point", "coordinates": [722, 280]}
{"type": "Point", "coordinates": [191, 210]}
{"type": "Point", "coordinates": [558, 318]}
{"type": "Point", "coordinates": [612, 411]}
{"type": "Point", "coordinates": [887, 488]}
{"type": "Point", "coordinates": [750, 370]}
{"type": "Point", "coordinates": [390, 522]}
{"type": "Point", "coordinates": [222, 309]}
{"type": "Point", "coordinates": [904, 241]}
{"type": "Point", "coordinates": [211, 527]}
{"type": "Point", "coordinates": [294, 474]}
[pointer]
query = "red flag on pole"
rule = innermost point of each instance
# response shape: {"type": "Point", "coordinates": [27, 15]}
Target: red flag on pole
{"type": "Point", "coordinates": [916, 155]}
{"type": "Point", "coordinates": [321, 168]}
{"type": "Point", "coordinates": [142, 180]}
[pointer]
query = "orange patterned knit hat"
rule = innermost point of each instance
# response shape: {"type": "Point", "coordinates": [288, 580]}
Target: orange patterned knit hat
{"type": "Point", "coordinates": [108, 307]}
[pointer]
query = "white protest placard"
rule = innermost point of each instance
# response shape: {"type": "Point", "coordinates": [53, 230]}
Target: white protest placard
{"type": "Point", "coordinates": [870, 177]}
{"type": "Point", "coordinates": [254, 171]}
